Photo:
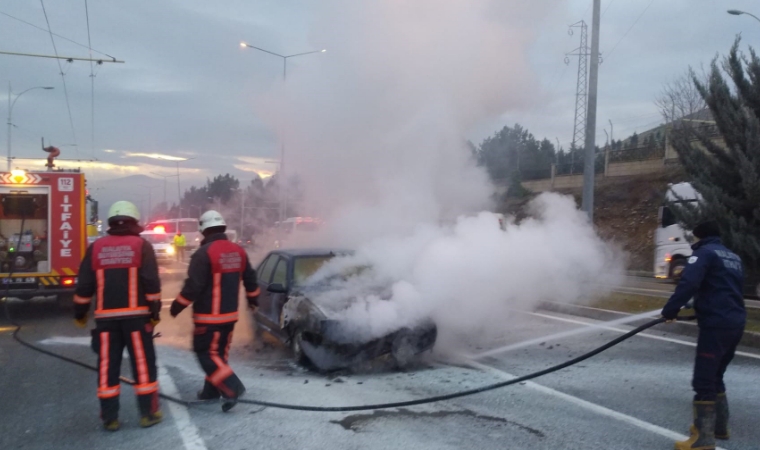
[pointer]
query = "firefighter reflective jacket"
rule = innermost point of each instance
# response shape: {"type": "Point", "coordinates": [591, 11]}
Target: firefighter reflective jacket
{"type": "Point", "coordinates": [213, 282]}
{"type": "Point", "coordinates": [179, 240]}
{"type": "Point", "coordinates": [121, 272]}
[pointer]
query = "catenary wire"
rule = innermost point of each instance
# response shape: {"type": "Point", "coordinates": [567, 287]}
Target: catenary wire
{"type": "Point", "coordinates": [63, 77]}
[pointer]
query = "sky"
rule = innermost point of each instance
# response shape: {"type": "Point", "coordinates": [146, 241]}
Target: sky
{"type": "Point", "coordinates": [187, 90]}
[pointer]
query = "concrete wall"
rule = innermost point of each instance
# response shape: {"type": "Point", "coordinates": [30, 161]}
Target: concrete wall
{"type": "Point", "coordinates": [621, 169]}
{"type": "Point", "coordinates": [615, 169]}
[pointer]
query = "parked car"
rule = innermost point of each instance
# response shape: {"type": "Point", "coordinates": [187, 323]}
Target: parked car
{"type": "Point", "coordinates": [162, 245]}
{"type": "Point", "coordinates": [317, 336]}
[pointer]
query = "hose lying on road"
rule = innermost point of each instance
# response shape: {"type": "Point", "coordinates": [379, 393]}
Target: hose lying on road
{"type": "Point", "coordinates": [420, 401]}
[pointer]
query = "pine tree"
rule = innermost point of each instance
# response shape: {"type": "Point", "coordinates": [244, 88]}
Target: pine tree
{"type": "Point", "coordinates": [727, 174]}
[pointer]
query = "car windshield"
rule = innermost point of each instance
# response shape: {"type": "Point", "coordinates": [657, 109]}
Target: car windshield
{"type": "Point", "coordinates": [156, 238]}
{"type": "Point", "coordinates": [306, 266]}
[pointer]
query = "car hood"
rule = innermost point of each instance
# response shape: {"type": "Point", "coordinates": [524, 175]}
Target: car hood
{"type": "Point", "coordinates": [331, 298]}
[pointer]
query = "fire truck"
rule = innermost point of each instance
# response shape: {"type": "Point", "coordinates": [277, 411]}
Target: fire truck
{"type": "Point", "coordinates": [43, 231]}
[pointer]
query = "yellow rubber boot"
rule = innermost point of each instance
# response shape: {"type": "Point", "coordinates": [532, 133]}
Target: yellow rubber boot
{"type": "Point", "coordinates": [151, 419]}
{"type": "Point", "coordinates": [721, 418]}
{"type": "Point", "coordinates": [111, 425]}
{"type": "Point", "coordinates": [702, 430]}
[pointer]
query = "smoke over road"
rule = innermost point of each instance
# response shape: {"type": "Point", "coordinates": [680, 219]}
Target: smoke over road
{"type": "Point", "coordinates": [375, 131]}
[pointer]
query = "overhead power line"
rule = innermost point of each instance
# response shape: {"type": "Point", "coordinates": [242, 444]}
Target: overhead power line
{"type": "Point", "coordinates": [629, 29]}
{"type": "Point", "coordinates": [608, 7]}
{"type": "Point", "coordinates": [63, 77]}
{"type": "Point", "coordinates": [54, 34]}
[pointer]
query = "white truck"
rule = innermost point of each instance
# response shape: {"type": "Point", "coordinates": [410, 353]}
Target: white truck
{"type": "Point", "coordinates": [672, 242]}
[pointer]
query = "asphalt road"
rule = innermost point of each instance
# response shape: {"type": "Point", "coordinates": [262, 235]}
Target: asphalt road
{"type": "Point", "coordinates": [634, 396]}
{"type": "Point", "coordinates": [658, 288]}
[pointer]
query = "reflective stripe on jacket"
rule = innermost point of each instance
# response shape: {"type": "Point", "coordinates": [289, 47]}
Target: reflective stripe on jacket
{"type": "Point", "coordinates": [213, 282]}
{"type": "Point", "coordinates": [121, 273]}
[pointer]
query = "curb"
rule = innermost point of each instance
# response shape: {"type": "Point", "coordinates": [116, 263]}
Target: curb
{"type": "Point", "coordinates": [750, 339]}
{"type": "Point", "coordinates": [640, 273]}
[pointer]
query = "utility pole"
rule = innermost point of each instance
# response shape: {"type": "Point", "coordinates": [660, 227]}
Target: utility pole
{"type": "Point", "coordinates": [242, 213]}
{"type": "Point", "coordinates": [587, 203]}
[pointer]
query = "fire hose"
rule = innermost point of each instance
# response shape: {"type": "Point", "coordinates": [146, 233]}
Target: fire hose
{"type": "Point", "coordinates": [401, 404]}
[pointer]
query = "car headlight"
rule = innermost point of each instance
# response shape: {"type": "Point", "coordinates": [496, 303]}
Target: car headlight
{"type": "Point", "coordinates": [170, 249]}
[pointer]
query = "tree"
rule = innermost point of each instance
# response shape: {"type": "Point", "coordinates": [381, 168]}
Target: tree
{"type": "Point", "coordinates": [727, 174]}
{"type": "Point", "coordinates": [222, 187]}
{"type": "Point", "coordinates": [680, 98]}
{"type": "Point", "coordinates": [514, 149]}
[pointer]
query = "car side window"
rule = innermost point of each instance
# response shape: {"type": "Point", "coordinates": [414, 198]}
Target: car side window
{"type": "Point", "coordinates": [266, 268]}
{"type": "Point", "coordinates": [281, 273]}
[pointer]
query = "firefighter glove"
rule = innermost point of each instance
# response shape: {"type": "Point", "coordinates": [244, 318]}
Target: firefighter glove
{"type": "Point", "coordinates": [155, 312]}
{"type": "Point", "coordinates": [176, 308]}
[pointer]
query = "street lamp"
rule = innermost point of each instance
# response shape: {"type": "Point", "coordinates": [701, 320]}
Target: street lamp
{"type": "Point", "coordinates": [281, 182]}
{"type": "Point", "coordinates": [10, 111]}
{"type": "Point", "coordinates": [737, 12]}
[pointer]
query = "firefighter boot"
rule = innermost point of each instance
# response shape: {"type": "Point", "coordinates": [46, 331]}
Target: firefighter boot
{"type": "Point", "coordinates": [111, 425]}
{"type": "Point", "coordinates": [721, 418]}
{"type": "Point", "coordinates": [702, 430]}
{"type": "Point", "coordinates": [109, 413]}
{"type": "Point", "coordinates": [151, 419]}
{"type": "Point", "coordinates": [209, 392]}
{"type": "Point", "coordinates": [149, 409]}
{"type": "Point", "coordinates": [229, 402]}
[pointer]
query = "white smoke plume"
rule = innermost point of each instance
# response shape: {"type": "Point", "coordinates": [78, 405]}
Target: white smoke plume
{"type": "Point", "coordinates": [375, 131]}
{"type": "Point", "coordinates": [471, 277]}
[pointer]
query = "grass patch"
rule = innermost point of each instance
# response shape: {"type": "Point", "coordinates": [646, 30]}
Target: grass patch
{"type": "Point", "coordinates": [635, 304]}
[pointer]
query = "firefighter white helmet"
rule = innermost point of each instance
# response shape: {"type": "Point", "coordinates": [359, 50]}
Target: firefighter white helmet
{"type": "Point", "coordinates": [211, 219]}
{"type": "Point", "coordinates": [124, 209]}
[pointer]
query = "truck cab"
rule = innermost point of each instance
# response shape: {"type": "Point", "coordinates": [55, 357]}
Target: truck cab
{"type": "Point", "coordinates": [673, 242]}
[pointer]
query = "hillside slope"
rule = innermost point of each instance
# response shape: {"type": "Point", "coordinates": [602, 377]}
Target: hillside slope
{"type": "Point", "coordinates": [626, 212]}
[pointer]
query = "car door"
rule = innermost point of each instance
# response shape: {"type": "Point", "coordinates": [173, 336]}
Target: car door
{"type": "Point", "coordinates": [277, 300]}
{"type": "Point", "coordinates": [264, 272]}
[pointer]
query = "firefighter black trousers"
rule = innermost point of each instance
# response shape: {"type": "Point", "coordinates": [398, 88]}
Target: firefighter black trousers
{"type": "Point", "coordinates": [108, 340]}
{"type": "Point", "coordinates": [212, 346]}
{"type": "Point", "coordinates": [715, 350]}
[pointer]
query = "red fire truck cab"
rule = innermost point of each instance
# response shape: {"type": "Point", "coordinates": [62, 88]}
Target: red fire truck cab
{"type": "Point", "coordinates": [42, 232]}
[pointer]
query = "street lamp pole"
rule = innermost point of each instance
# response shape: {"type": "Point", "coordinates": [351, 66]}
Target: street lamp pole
{"type": "Point", "coordinates": [736, 12]}
{"type": "Point", "coordinates": [281, 178]}
{"type": "Point", "coordinates": [10, 111]}
{"type": "Point", "coordinates": [165, 177]}
{"type": "Point", "coordinates": [179, 195]}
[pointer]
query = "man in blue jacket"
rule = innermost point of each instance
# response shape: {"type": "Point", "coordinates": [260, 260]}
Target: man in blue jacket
{"type": "Point", "coordinates": [714, 278]}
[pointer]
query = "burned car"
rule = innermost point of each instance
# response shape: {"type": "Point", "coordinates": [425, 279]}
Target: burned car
{"type": "Point", "coordinates": [319, 333]}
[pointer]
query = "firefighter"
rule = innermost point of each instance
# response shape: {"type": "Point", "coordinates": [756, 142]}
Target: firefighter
{"type": "Point", "coordinates": [179, 245]}
{"type": "Point", "coordinates": [715, 278]}
{"type": "Point", "coordinates": [212, 287]}
{"type": "Point", "coordinates": [121, 272]}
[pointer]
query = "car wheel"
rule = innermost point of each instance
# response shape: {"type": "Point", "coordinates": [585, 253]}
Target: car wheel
{"type": "Point", "coordinates": [296, 348]}
{"type": "Point", "coordinates": [403, 349]}
{"type": "Point", "coordinates": [676, 269]}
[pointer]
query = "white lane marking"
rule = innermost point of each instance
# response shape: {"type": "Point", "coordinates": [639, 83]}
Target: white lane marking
{"type": "Point", "coordinates": [66, 340]}
{"type": "Point", "coordinates": [593, 407]}
{"type": "Point", "coordinates": [188, 432]}
{"type": "Point", "coordinates": [644, 335]}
